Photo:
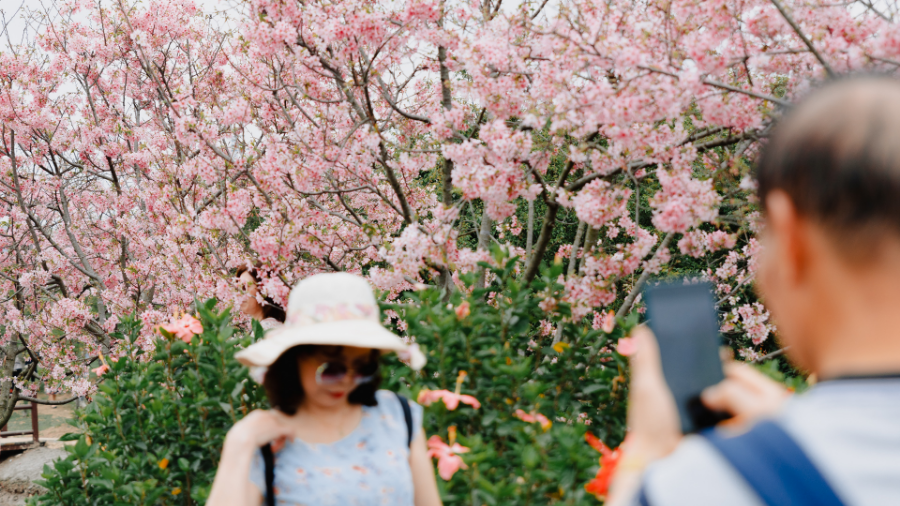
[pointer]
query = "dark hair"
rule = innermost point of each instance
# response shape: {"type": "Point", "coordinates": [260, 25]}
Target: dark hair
{"type": "Point", "coordinates": [837, 156]}
{"type": "Point", "coordinates": [282, 380]}
{"type": "Point", "coordinates": [269, 308]}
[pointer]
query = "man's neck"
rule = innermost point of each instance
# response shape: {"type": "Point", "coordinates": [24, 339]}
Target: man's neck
{"type": "Point", "coordinates": [863, 337]}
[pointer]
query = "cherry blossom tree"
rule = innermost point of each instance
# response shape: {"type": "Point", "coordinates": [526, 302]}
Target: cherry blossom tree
{"type": "Point", "coordinates": [149, 148]}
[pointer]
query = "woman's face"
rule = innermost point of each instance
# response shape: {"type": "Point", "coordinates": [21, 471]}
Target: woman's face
{"type": "Point", "coordinates": [250, 306]}
{"type": "Point", "coordinates": [321, 387]}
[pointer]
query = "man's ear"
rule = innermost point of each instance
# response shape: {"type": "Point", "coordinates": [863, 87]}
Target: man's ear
{"type": "Point", "coordinates": [790, 233]}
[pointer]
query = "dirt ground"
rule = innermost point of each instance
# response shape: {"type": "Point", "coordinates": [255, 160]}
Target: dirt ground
{"type": "Point", "coordinates": [19, 469]}
{"type": "Point", "coordinates": [17, 472]}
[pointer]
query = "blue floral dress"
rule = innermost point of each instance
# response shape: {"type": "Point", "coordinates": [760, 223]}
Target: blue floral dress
{"type": "Point", "coordinates": [368, 467]}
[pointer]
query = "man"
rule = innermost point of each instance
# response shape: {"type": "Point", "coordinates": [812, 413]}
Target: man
{"type": "Point", "coordinates": [829, 184]}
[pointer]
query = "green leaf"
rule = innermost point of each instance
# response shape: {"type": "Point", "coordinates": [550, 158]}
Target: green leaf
{"type": "Point", "coordinates": [594, 388]}
{"type": "Point", "coordinates": [81, 448]}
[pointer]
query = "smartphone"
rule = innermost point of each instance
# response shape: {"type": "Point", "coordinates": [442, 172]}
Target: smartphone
{"type": "Point", "coordinates": [684, 319]}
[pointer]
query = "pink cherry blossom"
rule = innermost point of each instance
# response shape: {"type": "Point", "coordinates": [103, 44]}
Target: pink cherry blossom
{"type": "Point", "coordinates": [282, 154]}
{"type": "Point", "coordinates": [447, 456]}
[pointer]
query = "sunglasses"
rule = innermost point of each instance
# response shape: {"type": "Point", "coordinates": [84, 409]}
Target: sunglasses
{"type": "Point", "coordinates": [332, 373]}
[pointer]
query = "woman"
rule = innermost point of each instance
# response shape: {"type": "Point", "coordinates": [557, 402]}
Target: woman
{"type": "Point", "coordinates": [268, 313]}
{"type": "Point", "coordinates": [337, 438]}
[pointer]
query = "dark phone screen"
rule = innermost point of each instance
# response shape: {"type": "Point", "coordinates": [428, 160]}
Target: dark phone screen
{"type": "Point", "coordinates": [683, 318]}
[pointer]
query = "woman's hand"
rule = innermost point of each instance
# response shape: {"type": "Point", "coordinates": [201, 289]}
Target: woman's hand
{"type": "Point", "coordinates": [232, 485]}
{"type": "Point", "coordinates": [261, 427]}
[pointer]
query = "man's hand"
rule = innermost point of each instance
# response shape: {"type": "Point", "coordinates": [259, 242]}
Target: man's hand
{"type": "Point", "coordinates": [654, 429]}
{"type": "Point", "coordinates": [745, 393]}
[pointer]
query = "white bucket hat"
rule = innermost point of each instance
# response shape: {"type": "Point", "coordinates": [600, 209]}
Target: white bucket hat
{"type": "Point", "coordinates": [328, 309]}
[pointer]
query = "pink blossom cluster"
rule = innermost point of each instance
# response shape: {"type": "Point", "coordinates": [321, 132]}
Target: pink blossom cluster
{"type": "Point", "coordinates": [368, 136]}
{"type": "Point", "coordinates": [751, 320]}
{"type": "Point", "coordinates": [683, 202]}
{"type": "Point", "coordinates": [596, 288]}
{"type": "Point", "coordinates": [491, 169]}
{"type": "Point", "coordinates": [599, 203]}
{"type": "Point", "coordinates": [698, 243]}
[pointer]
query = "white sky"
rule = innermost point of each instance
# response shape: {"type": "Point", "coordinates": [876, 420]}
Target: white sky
{"type": "Point", "coordinates": [16, 30]}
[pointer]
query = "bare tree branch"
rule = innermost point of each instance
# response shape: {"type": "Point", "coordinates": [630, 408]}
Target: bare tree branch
{"type": "Point", "coordinates": [47, 402]}
{"type": "Point", "coordinates": [636, 289]}
{"type": "Point", "coordinates": [772, 355]}
{"type": "Point", "coordinates": [804, 38]}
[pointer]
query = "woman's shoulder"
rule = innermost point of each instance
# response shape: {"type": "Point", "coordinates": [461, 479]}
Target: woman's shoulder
{"type": "Point", "coordinates": [388, 417]}
{"type": "Point", "coordinates": [389, 402]}
{"type": "Point", "coordinates": [389, 398]}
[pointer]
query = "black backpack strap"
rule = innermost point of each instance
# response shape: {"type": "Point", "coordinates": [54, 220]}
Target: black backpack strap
{"type": "Point", "coordinates": [642, 497]}
{"type": "Point", "coordinates": [269, 466]}
{"type": "Point", "coordinates": [407, 416]}
{"type": "Point", "coordinates": [774, 466]}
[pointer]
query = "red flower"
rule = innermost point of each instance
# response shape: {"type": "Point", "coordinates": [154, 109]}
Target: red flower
{"type": "Point", "coordinates": [609, 459]}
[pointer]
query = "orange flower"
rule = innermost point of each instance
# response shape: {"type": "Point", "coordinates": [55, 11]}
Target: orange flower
{"type": "Point", "coordinates": [451, 400]}
{"type": "Point", "coordinates": [103, 366]}
{"type": "Point", "coordinates": [448, 457]}
{"type": "Point", "coordinates": [164, 463]}
{"type": "Point", "coordinates": [463, 310]}
{"type": "Point", "coordinates": [184, 328]}
{"type": "Point", "coordinates": [534, 418]}
{"type": "Point", "coordinates": [609, 459]}
{"type": "Point", "coordinates": [609, 322]}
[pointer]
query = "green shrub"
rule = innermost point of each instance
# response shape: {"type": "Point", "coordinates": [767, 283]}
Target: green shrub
{"type": "Point", "coordinates": [509, 365]}
{"type": "Point", "coordinates": [154, 431]}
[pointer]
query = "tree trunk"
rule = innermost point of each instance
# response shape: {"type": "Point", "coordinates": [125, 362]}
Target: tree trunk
{"type": "Point", "coordinates": [529, 231]}
{"type": "Point", "coordinates": [483, 237]}
{"type": "Point", "coordinates": [573, 255]}
{"type": "Point", "coordinates": [543, 240]}
{"type": "Point", "coordinates": [8, 394]}
{"type": "Point", "coordinates": [589, 242]}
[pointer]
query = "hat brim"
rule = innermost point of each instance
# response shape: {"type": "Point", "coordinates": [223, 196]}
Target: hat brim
{"type": "Point", "coordinates": [359, 333]}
